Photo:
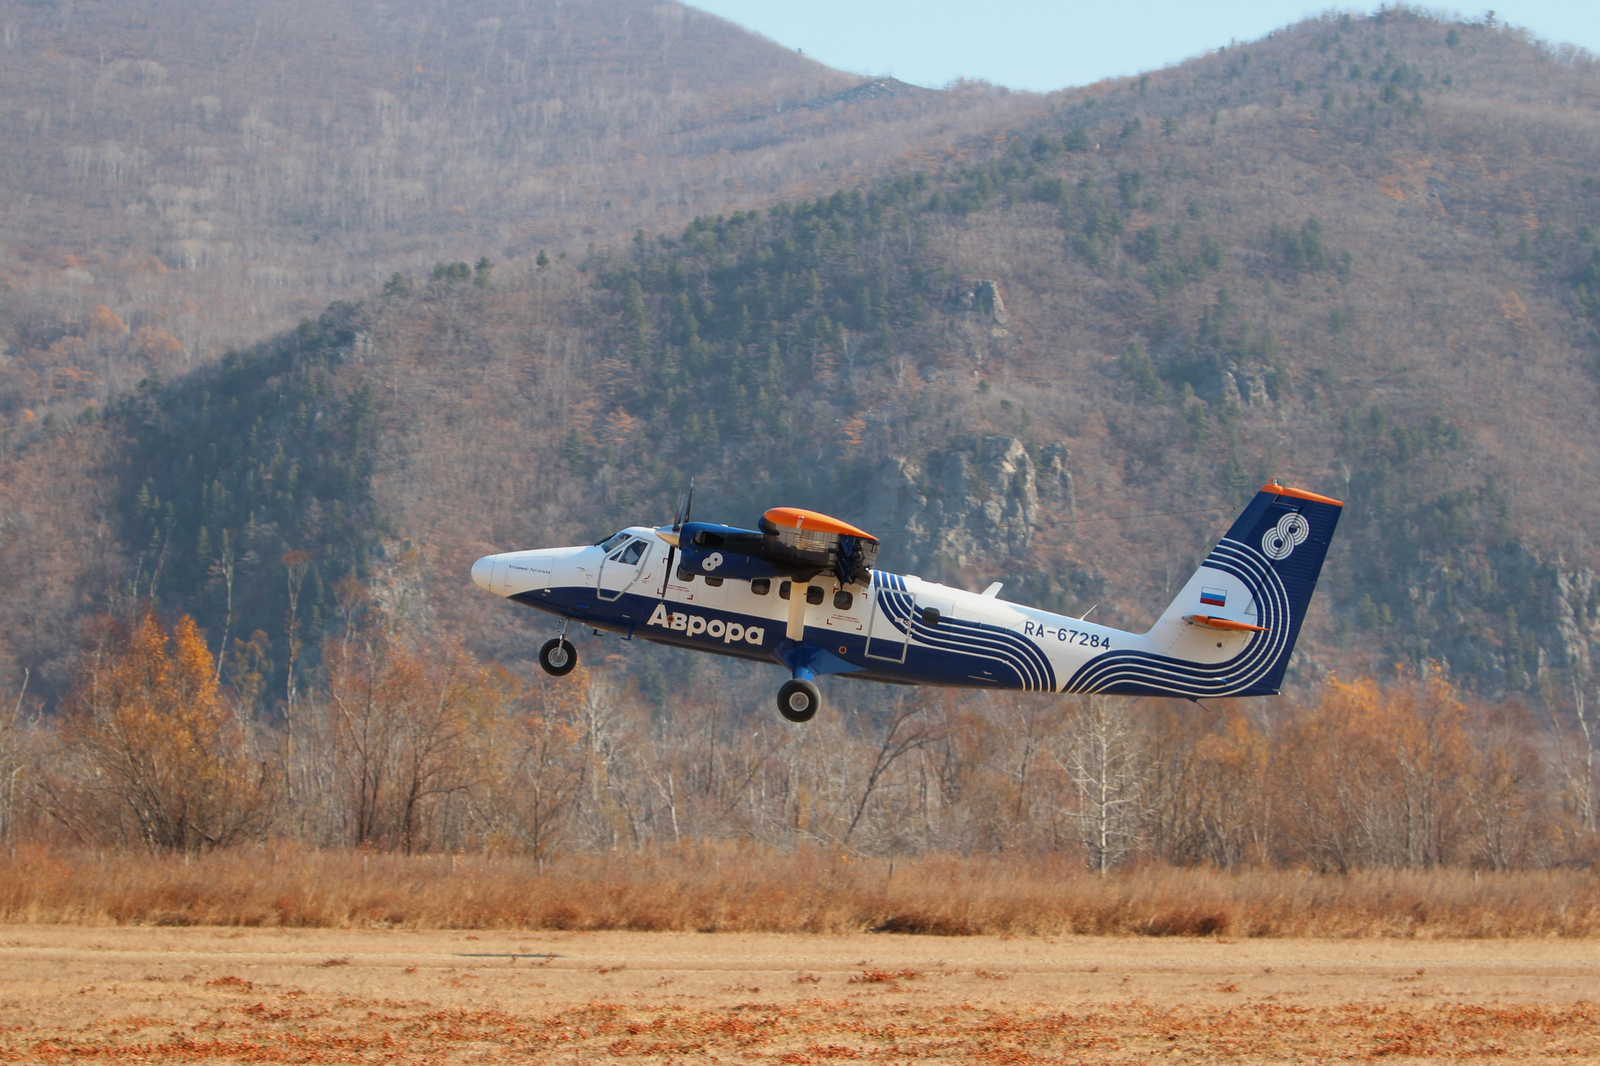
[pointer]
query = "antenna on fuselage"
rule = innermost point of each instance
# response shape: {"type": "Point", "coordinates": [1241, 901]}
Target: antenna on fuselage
{"type": "Point", "coordinates": [1086, 614]}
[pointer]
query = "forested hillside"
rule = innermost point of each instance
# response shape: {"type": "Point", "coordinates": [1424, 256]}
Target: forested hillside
{"type": "Point", "coordinates": [1056, 344]}
{"type": "Point", "coordinates": [209, 173]}
{"type": "Point", "coordinates": [1351, 255]}
{"type": "Point", "coordinates": [1209, 298]}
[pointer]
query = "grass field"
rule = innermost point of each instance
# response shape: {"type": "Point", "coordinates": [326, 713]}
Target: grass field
{"type": "Point", "coordinates": [730, 888]}
{"type": "Point", "coordinates": [204, 995]}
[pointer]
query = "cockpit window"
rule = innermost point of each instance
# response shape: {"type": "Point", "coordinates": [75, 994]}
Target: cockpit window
{"type": "Point", "coordinates": [631, 553]}
{"type": "Point", "coordinates": [612, 541]}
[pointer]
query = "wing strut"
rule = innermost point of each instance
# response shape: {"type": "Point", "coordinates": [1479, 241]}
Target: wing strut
{"type": "Point", "coordinates": [797, 610]}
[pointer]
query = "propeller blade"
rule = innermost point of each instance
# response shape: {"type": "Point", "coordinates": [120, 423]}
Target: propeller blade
{"type": "Point", "coordinates": [672, 550]}
{"type": "Point", "coordinates": [678, 519]}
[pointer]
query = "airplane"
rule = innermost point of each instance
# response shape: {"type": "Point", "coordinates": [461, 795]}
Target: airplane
{"type": "Point", "coordinates": [802, 591]}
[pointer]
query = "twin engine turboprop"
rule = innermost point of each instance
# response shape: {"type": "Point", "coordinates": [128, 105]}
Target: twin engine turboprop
{"type": "Point", "coordinates": [803, 591]}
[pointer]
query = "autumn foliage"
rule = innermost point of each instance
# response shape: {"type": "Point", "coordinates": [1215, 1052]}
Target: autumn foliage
{"type": "Point", "coordinates": [416, 784]}
{"type": "Point", "coordinates": [409, 743]}
{"type": "Point", "coordinates": [152, 753]}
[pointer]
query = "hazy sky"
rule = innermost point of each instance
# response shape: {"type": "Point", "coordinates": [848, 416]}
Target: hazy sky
{"type": "Point", "coordinates": [1048, 44]}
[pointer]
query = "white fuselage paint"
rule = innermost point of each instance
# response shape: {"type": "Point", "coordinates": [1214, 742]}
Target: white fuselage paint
{"type": "Point", "coordinates": [548, 578]}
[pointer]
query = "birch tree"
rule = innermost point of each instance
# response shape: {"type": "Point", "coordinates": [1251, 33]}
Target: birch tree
{"type": "Point", "coordinates": [1101, 751]}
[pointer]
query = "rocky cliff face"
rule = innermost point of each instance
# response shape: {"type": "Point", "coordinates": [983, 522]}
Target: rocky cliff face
{"type": "Point", "coordinates": [1507, 619]}
{"type": "Point", "coordinates": [975, 503]}
{"type": "Point", "coordinates": [1510, 619]}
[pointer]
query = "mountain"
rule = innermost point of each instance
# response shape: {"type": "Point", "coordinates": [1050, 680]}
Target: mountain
{"type": "Point", "coordinates": [210, 173]}
{"type": "Point", "coordinates": [1056, 346]}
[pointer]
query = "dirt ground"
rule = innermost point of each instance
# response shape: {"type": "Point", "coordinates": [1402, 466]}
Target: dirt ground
{"type": "Point", "coordinates": [301, 996]}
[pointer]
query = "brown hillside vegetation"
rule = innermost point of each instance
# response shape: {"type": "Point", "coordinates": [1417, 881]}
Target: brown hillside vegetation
{"type": "Point", "coordinates": [1189, 307]}
{"type": "Point", "coordinates": [212, 172]}
{"type": "Point", "coordinates": [1241, 282]}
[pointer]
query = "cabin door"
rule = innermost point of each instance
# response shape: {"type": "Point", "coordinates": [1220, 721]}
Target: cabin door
{"type": "Point", "coordinates": [890, 626]}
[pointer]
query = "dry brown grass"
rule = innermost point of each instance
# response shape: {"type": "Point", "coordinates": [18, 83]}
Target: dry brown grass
{"type": "Point", "coordinates": [731, 888]}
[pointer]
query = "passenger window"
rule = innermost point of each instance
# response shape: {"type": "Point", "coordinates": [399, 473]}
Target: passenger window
{"type": "Point", "coordinates": [761, 585]}
{"type": "Point", "coordinates": [685, 574]}
{"type": "Point", "coordinates": [842, 600]}
{"type": "Point", "coordinates": [813, 594]}
{"type": "Point", "coordinates": [783, 591]}
{"type": "Point", "coordinates": [714, 582]}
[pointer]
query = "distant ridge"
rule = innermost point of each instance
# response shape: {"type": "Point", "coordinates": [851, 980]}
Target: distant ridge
{"type": "Point", "coordinates": [871, 89]}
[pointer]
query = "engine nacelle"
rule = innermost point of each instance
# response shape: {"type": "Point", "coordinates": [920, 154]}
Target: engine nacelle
{"type": "Point", "coordinates": [724, 551]}
{"type": "Point", "coordinates": [730, 552]}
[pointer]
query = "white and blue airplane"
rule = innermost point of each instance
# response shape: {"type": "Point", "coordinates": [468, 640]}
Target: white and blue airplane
{"type": "Point", "coordinates": [802, 591]}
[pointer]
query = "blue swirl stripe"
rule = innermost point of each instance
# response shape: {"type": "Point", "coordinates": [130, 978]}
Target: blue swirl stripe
{"type": "Point", "coordinates": [1133, 672]}
{"type": "Point", "coordinates": [979, 641]}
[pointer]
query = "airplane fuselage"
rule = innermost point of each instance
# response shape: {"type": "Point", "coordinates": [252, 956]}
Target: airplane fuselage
{"type": "Point", "coordinates": [895, 629]}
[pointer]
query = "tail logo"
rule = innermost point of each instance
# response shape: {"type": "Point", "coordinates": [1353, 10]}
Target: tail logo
{"type": "Point", "coordinates": [1280, 541]}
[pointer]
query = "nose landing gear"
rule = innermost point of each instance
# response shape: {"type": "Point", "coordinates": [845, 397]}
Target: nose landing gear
{"type": "Point", "coordinates": [558, 656]}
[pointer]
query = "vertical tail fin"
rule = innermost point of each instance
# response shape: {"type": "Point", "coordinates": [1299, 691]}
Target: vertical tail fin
{"type": "Point", "coordinates": [1232, 628]}
{"type": "Point", "coordinates": [1270, 558]}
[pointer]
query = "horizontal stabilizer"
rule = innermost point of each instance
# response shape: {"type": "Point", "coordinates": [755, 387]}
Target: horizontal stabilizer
{"type": "Point", "coordinates": [1222, 623]}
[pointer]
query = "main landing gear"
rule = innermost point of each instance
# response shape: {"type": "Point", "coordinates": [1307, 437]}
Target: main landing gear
{"type": "Point", "coordinates": [798, 700]}
{"type": "Point", "coordinates": [558, 656]}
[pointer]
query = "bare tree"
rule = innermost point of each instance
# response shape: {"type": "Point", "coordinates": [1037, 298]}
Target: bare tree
{"type": "Point", "coordinates": [1102, 753]}
{"type": "Point", "coordinates": [224, 567]}
{"type": "Point", "coordinates": [1576, 759]}
{"type": "Point", "coordinates": [12, 761]}
{"type": "Point", "coordinates": [909, 730]}
{"type": "Point", "coordinates": [295, 565]}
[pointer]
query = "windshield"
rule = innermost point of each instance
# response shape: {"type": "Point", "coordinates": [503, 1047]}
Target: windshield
{"type": "Point", "coordinates": [612, 541]}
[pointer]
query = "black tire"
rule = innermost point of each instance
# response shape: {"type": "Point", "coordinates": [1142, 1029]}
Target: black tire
{"type": "Point", "coordinates": [798, 700]}
{"type": "Point", "coordinates": [558, 657]}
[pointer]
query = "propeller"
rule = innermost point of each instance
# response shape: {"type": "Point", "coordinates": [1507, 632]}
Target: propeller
{"type": "Point", "coordinates": [685, 502]}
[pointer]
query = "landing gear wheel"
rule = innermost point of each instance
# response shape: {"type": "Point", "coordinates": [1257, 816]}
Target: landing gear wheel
{"type": "Point", "coordinates": [558, 657]}
{"type": "Point", "coordinates": [798, 700]}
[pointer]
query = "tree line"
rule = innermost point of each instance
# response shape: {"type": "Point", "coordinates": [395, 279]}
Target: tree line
{"type": "Point", "coordinates": [415, 745]}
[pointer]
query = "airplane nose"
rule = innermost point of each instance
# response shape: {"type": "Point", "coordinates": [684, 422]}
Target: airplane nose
{"type": "Point", "coordinates": [483, 572]}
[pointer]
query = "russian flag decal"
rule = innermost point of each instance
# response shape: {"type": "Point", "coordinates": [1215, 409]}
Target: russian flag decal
{"type": "Point", "coordinates": [1213, 597]}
